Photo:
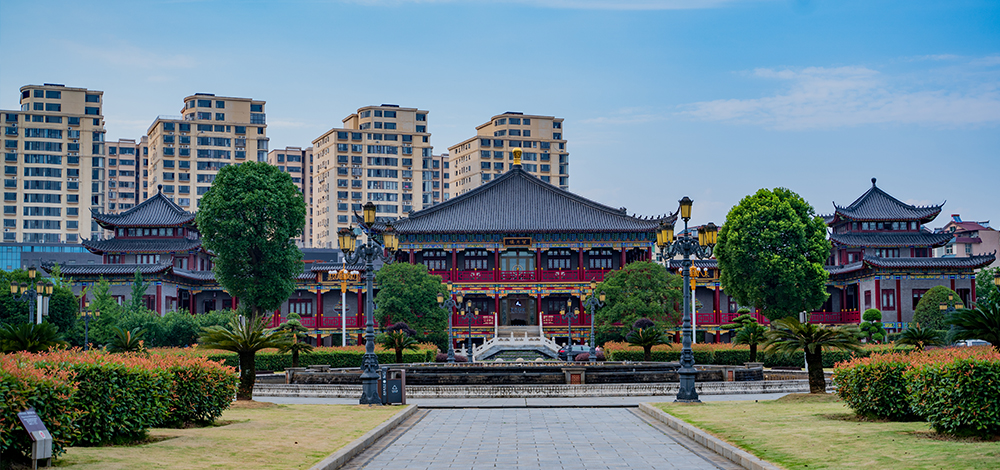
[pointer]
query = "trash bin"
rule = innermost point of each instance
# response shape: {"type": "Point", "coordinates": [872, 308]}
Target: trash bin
{"type": "Point", "coordinates": [395, 387]}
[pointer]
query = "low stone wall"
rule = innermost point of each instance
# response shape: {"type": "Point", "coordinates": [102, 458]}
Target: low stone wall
{"type": "Point", "coordinates": [537, 391]}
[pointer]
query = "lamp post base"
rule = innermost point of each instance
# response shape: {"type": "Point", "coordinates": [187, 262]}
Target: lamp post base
{"type": "Point", "coordinates": [369, 380]}
{"type": "Point", "coordinates": [687, 392]}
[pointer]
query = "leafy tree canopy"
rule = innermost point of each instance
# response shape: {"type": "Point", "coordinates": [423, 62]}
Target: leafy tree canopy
{"type": "Point", "coordinates": [408, 294]}
{"type": "Point", "coordinates": [771, 252]}
{"type": "Point", "coordinates": [986, 291]}
{"type": "Point", "coordinates": [248, 219]}
{"type": "Point", "coordinates": [642, 289]}
{"type": "Point", "coordinates": [928, 313]}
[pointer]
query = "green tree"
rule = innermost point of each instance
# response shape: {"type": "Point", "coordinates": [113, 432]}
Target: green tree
{"type": "Point", "coordinates": [771, 252]}
{"type": "Point", "coordinates": [408, 294]}
{"type": "Point", "coordinates": [30, 337]}
{"type": "Point", "coordinates": [929, 313]}
{"type": "Point", "coordinates": [646, 334]}
{"type": "Point", "coordinates": [920, 337]}
{"type": "Point", "coordinates": [248, 219]}
{"type": "Point", "coordinates": [398, 337]}
{"type": "Point", "coordinates": [244, 336]}
{"type": "Point", "coordinates": [297, 333]}
{"type": "Point", "coordinates": [108, 313]}
{"type": "Point", "coordinates": [139, 288]}
{"type": "Point", "coordinates": [789, 335]}
{"type": "Point", "coordinates": [642, 289]}
{"type": "Point", "coordinates": [986, 291]}
{"type": "Point", "coordinates": [748, 332]}
{"type": "Point", "coordinates": [982, 322]}
{"type": "Point", "coordinates": [871, 325]}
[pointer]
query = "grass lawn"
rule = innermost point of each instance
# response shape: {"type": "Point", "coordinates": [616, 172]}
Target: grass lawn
{"type": "Point", "coordinates": [258, 435]}
{"type": "Point", "coordinates": [815, 432]}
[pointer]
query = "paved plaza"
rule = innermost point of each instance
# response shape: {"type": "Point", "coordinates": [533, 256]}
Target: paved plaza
{"type": "Point", "coordinates": [536, 438]}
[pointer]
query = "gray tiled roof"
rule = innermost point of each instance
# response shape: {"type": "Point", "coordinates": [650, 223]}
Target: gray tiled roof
{"type": "Point", "coordinates": [698, 263]}
{"type": "Point", "coordinates": [111, 269]}
{"type": "Point", "coordinates": [198, 275]}
{"type": "Point", "coordinates": [971, 262]}
{"type": "Point", "coordinates": [142, 245]}
{"type": "Point", "coordinates": [845, 268]}
{"type": "Point", "coordinates": [157, 211]}
{"type": "Point", "coordinates": [324, 267]}
{"type": "Point", "coordinates": [518, 202]}
{"type": "Point", "coordinates": [882, 239]}
{"type": "Point", "coordinates": [876, 204]}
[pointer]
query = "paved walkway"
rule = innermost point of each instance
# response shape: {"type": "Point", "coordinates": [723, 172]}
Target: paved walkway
{"type": "Point", "coordinates": [523, 402]}
{"type": "Point", "coordinates": [538, 438]}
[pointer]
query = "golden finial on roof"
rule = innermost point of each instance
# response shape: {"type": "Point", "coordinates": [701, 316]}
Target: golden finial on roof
{"type": "Point", "coordinates": [517, 156]}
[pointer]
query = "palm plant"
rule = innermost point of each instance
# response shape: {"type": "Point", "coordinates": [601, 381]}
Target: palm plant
{"type": "Point", "coordinates": [126, 340]}
{"type": "Point", "coordinates": [297, 333]}
{"type": "Point", "coordinates": [646, 334]}
{"type": "Point", "coordinates": [30, 337]}
{"type": "Point", "coordinates": [244, 336]}
{"type": "Point", "coordinates": [398, 337]}
{"type": "Point", "coordinates": [789, 335]}
{"type": "Point", "coordinates": [751, 334]}
{"type": "Point", "coordinates": [983, 323]}
{"type": "Point", "coordinates": [920, 337]}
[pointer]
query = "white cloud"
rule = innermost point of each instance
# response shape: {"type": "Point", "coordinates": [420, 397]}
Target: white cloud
{"type": "Point", "coordinates": [821, 97]}
{"type": "Point", "coordinates": [626, 116]}
{"type": "Point", "coordinates": [581, 4]}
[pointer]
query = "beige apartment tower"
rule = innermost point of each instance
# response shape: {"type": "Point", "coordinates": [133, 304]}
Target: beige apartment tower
{"type": "Point", "coordinates": [479, 159]}
{"type": "Point", "coordinates": [54, 165]}
{"type": "Point", "coordinates": [212, 132]}
{"type": "Point", "coordinates": [298, 163]}
{"type": "Point", "coordinates": [378, 155]}
{"type": "Point", "coordinates": [124, 174]}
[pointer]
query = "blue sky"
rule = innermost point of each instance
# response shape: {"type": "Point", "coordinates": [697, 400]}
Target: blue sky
{"type": "Point", "coordinates": [662, 98]}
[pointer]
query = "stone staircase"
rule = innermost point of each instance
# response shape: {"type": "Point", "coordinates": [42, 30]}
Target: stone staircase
{"type": "Point", "coordinates": [514, 342]}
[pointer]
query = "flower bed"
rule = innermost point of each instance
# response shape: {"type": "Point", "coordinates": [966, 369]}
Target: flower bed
{"type": "Point", "coordinates": [337, 357]}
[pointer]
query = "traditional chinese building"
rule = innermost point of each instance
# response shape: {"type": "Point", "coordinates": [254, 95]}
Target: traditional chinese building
{"type": "Point", "coordinates": [160, 240]}
{"type": "Point", "coordinates": [520, 250]}
{"type": "Point", "coordinates": [882, 258]}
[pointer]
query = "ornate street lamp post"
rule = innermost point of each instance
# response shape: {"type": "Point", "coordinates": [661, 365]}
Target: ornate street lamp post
{"type": "Point", "coordinates": [592, 303]}
{"type": "Point", "coordinates": [31, 292]}
{"type": "Point", "coordinates": [686, 246]}
{"type": "Point", "coordinates": [379, 246]}
{"type": "Point", "coordinates": [449, 304]}
{"type": "Point", "coordinates": [87, 313]}
{"type": "Point", "coordinates": [468, 314]}
{"type": "Point", "coordinates": [570, 316]}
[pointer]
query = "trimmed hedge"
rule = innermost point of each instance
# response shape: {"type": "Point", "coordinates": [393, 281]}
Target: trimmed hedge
{"type": "Point", "coordinates": [201, 390]}
{"type": "Point", "coordinates": [50, 392]}
{"type": "Point", "coordinates": [875, 386]}
{"type": "Point", "coordinates": [961, 397]}
{"type": "Point", "coordinates": [725, 354]}
{"type": "Point", "coordinates": [333, 358]}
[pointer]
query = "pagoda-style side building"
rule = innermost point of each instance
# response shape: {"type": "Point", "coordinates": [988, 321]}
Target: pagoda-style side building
{"type": "Point", "coordinates": [882, 258]}
{"type": "Point", "coordinates": [520, 249]}
{"type": "Point", "coordinates": [160, 240]}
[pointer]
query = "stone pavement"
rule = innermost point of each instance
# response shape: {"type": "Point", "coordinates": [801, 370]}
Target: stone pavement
{"type": "Point", "coordinates": [537, 438]}
{"type": "Point", "coordinates": [523, 402]}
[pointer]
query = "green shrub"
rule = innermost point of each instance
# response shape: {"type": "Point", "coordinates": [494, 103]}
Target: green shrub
{"type": "Point", "coordinates": [961, 397]}
{"type": "Point", "coordinates": [121, 396]}
{"type": "Point", "coordinates": [201, 389]}
{"type": "Point", "coordinates": [928, 312]}
{"type": "Point", "coordinates": [51, 393]}
{"type": "Point", "coordinates": [875, 386]}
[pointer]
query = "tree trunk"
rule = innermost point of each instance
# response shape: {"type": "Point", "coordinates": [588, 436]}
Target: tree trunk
{"type": "Point", "coordinates": [753, 353]}
{"type": "Point", "coordinates": [248, 374]}
{"type": "Point", "coordinates": [647, 353]}
{"type": "Point", "coordinates": [399, 355]}
{"type": "Point", "coordinates": [817, 380]}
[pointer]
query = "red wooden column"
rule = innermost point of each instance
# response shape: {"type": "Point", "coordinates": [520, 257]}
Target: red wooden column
{"type": "Point", "coordinates": [953, 284]}
{"type": "Point", "coordinates": [454, 263]}
{"type": "Point", "coordinates": [413, 256]}
{"type": "Point", "coordinates": [191, 301]}
{"type": "Point", "coordinates": [623, 257]}
{"type": "Point", "coordinates": [878, 295]}
{"type": "Point", "coordinates": [496, 265]}
{"type": "Point", "coordinates": [899, 302]}
{"type": "Point", "coordinates": [538, 264]}
{"type": "Point", "coordinates": [319, 308]}
{"type": "Point", "coordinates": [716, 301]}
{"type": "Point", "coordinates": [159, 298]}
{"type": "Point", "coordinates": [580, 252]}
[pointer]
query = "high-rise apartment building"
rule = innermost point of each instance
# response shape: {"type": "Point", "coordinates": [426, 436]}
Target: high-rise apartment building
{"type": "Point", "coordinates": [376, 156]}
{"type": "Point", "coordinates": [54, 165]}
{"type": "Point", "coordinates": [187, 151]}
{"type": "Point", "coordinates": [479, 159]}
{"type": "Point", "coordinates": [298, 163]}
{"type": "Point", "coordinates": [124, 175]}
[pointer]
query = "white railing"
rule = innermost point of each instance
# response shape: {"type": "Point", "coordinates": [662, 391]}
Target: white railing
{"type": "Point", "coordinates": [515, 342]}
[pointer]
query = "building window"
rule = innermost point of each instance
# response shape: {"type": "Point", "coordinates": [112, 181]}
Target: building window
{"type": "Point", "coordinates": [888, 299]}
{"type": "Point", "coordinates": [559, 259]}
{"type": "Point", "coordinates": [917, 295]}
{"type": "Point", "coordinates": [600, 259]}
{"type": "Point", "coordinates": [435, 260]}
{"type": "Point", "coordinates": [868, 299]}
{"type": "Point", "coordinates": [303, 307]}
{"type": "Point", "coordinates": [476, 259]}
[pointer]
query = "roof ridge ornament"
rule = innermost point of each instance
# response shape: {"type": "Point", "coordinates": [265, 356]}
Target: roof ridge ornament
{"type": "Point", "coordinates": [517, 157]}
{"type": "Point", "coordinates": [873, 181]}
